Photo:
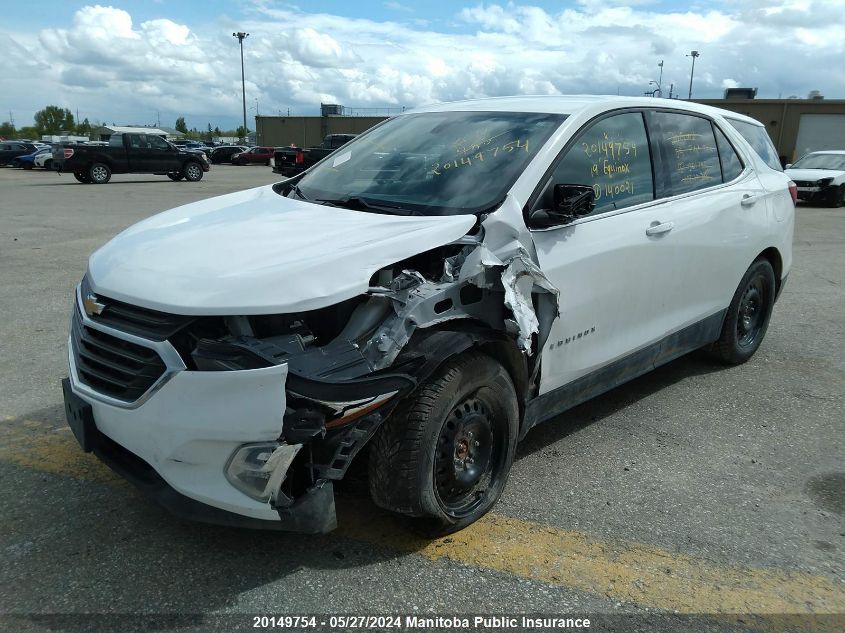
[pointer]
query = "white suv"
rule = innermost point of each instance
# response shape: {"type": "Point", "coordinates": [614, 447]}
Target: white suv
{"type": "Point", "coordinates": [431, 291]}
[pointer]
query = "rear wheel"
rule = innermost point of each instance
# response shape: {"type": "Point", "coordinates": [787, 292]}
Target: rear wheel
{"type": "Point", "coordinates": [81, 177]}
{"type": "Point", "coordinates": [445, 453]}
{"type": "Point", "coordinates": [99, 174]}
{"type": "Point", "coordinates": [748, 315]}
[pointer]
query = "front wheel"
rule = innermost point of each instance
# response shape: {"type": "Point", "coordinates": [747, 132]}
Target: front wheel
{"type": "Point", "coordinates": [748, 315]}
{"type": "Point", "coordinates": [99, 174]}
{"type": "Point", "coordinates": [192, 172]}
{"type": "Point", "coordinates": [445, 453]}
{"type": "Point", "coordinates": [836, 197]}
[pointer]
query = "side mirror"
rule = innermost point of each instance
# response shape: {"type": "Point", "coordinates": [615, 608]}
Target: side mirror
{"type": "Point", "coordinates": [568, 203]}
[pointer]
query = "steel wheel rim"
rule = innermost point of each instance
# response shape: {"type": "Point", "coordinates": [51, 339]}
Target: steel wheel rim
{"type": "Point", "coordinates": [469, 456]}
{"type": "Point", "coordinates": [193, 171]}
{"type": "Point", "coordinates": [98, 173]}
{"type": "Point", "coordinates": [751, 314]}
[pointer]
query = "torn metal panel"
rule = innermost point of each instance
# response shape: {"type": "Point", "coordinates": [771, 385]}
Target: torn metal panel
{"type": "Point", "coordinates": [521, 280]}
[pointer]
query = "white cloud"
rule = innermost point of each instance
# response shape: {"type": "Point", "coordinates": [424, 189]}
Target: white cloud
{"type": "Point", "coordinates": [113, 68]}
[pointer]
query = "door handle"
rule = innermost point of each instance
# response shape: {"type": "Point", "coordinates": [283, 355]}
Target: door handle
{"type": "Point", "coordinates": [748, 200]}
{"type": "Point", "coordinates": [658, 228]}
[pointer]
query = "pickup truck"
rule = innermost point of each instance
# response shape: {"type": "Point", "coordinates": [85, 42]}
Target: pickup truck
{"type": "Point", "coordinates": [289, 161]}
{"type": "Point", "coordinates": [129, 154]}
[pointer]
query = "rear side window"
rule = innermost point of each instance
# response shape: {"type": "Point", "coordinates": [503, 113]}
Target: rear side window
{"type": "Point", "coordinates": [116, 140]}
{"type": "Point", "coordinates": [611, 156]}
{"type": "Point", "coordinates": [688, 150]}
{"type": "Point", "coordinates": [759, 140]}
{"type": "Point", "coordinates": [731, 164]}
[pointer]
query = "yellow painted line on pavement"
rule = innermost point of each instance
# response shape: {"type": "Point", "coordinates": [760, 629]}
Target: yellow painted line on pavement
{"type": "Point", "coordinates": [621, 571]}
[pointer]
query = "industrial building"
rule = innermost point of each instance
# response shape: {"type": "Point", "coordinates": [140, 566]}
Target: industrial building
{"type": "Point", "coordinates": [796, 126]}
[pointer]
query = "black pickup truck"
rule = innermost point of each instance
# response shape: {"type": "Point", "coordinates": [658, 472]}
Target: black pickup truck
{"type": "Point", "coordinates": [129, 154]}
{"type": "Point", "coordinates": [289, 161]}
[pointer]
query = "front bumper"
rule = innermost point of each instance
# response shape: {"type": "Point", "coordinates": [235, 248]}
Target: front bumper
{"type": "Point", "coordinates": [175, 444]}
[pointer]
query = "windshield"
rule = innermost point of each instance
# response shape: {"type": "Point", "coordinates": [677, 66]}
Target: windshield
{"type": "Point", "coordinates": [435, 163]}
{"type": "Point", "coordinates": [821, 161]}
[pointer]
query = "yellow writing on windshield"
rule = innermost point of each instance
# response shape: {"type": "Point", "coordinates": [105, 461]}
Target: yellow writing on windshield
{"type": "Point", "coordinates": [439, 168]}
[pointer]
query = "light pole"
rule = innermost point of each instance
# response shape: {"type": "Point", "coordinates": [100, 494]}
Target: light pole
{"type": "Point", "coordinates": [660, 79]}
{"type": "Point", "coordinates": [692, 54]}
{"type": "Point", "coordinates": [241, 35]}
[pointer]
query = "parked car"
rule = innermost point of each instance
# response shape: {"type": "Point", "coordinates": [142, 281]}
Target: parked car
{"type": "Point", "coordinates": [10, 150]}
{"type": "Point", "coordinates": [261, 155]}
{"type": "Point", "coordinates": [129, 153]}
{"type": "Point", "coordinates": [452, 278]}
{"type": "Point", "coordinates": [820, 177]}
{"type": "Point", "coordinates": [27, 161]}
{"type": "Point", "coordinates": [224, 153]}
{"type": "Point", "coordinates": [44, 159]}
{"type": "Point", "coordinates": [289, 161]}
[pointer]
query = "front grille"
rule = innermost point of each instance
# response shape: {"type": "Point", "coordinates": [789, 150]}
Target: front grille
{"type": "Point", "coordinates": [143, 322]}
{"type": "Point", "coordinates": [111, 365]}
{"type": "Point", "coordinates": [805, 183]}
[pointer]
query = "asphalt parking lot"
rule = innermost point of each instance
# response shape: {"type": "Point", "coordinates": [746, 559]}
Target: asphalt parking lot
{"type": "Point", "coordinates": [696, 489]}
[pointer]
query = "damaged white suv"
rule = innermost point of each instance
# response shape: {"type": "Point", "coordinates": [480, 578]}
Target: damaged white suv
{"type": "Point", "coordinates": [430, 292]}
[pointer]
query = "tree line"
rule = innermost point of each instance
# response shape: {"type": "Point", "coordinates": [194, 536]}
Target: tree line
{"type": "Point", "coordinates": [56, 120]}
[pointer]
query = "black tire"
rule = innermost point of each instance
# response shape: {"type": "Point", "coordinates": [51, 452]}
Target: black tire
{"type": "Point", "coordinates": [174, 176]}
{"type": "Point", "coordinates": [192, 171]}
{"type": "Point", "coordinates": [99, 174]}
{"type": "Point", "coordinates": [836, 198]}
{"type": "Point", "coordinates": [267, 163]}
{"type": "Point", "coordinates": [27, 165]}
{"type": "Point", "coordinates": [81, 177]}
{"type": "Point", "coordinates": [445, 453]}
{"type": "Point", "coordinates": [748, 315]}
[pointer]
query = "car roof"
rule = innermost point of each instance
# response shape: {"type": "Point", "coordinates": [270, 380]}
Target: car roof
{"type": "Point", "coordinates": [574, 104]}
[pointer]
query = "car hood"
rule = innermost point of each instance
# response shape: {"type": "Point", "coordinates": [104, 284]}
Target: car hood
{"type": "Point", "coordinates": [813, 174]}
{"type": "Point", "coordinates": [256, 252]}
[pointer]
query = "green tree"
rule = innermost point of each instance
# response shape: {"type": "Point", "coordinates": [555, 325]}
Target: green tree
{"type": "Point", "coordinates": [241, 132]}
{"type": "Point", "coordinates": [53, 119]}
{"type": "Point", "coordinates": [29, 132]}
{"type": "Point", "coordinates": [181, 125]}
{"type": "Point", "coordinates": [7, 130]}
{"type": "Point", "coordinates": [84, 128]}
{"type": "Point", "coordinates": [217, 130]}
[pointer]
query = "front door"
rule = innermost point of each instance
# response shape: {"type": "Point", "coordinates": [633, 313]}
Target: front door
{"type": "Point", "coordinates": [609, 274]}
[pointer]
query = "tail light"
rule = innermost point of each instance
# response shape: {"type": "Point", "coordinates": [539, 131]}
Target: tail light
{"type": "Point", "coordinates": [68, 152]}
{"type": "Point", "coordinates": [793, 191]}
{"type": "Point", "coordinates": [300, 158]}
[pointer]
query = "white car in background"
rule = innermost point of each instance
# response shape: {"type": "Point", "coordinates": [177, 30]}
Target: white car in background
{"type": "Point", "coordinates": [431, 291]}
{"type": "Point", "coordinates": [44, 159]}
{"type": "Point", "coordinates": [820, 177]}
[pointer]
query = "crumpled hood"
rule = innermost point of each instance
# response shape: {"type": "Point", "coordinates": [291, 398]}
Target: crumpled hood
{"type": "Point", "coordinates": [256, 252]}
{"type": "Point", "coordinates": [813, 174]}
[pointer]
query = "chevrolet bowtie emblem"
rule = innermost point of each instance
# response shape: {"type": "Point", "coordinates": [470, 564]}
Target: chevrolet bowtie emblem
{"type": "Point", "coordinates": [92, 306]}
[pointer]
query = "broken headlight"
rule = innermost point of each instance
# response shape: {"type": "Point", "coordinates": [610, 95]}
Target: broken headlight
{"type": "Point", "coordinates": [258, 470]}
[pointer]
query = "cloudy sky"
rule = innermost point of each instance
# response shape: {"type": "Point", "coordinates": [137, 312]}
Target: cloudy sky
{"type": "Point", "coordinates": [131, 62]}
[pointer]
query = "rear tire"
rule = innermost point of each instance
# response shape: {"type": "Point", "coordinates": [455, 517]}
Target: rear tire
{"type": "Point", "coordinates": [445, 453]}
{"type": "Point", "coordinates": [748, 315]}
{"type": "Point", "coordinates": [81, 177]}
{"type": "Point", "coordinates": [192, 171]}
{"type": "Point", "coordinates": [99, 174]}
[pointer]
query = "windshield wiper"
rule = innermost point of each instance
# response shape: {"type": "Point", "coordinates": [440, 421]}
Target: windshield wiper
{"type": "Point", "coordinates": [295, 188]}
{"type": "Point", "coordinates": [359, 204]}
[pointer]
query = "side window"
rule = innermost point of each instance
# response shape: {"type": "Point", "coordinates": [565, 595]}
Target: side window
{"type": "Point", "coordinates": [612, 157]}
{"type": "Point", "coordinates": [688, 149]}
{"type": "Point", "coordinates": [156, 142]}
{"type": "Point", "coordinates": [731, 164]}
{"type": "Point", "coordinates": [116, 140]}
{"type": "Point", "coordinates": [759, 140]}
